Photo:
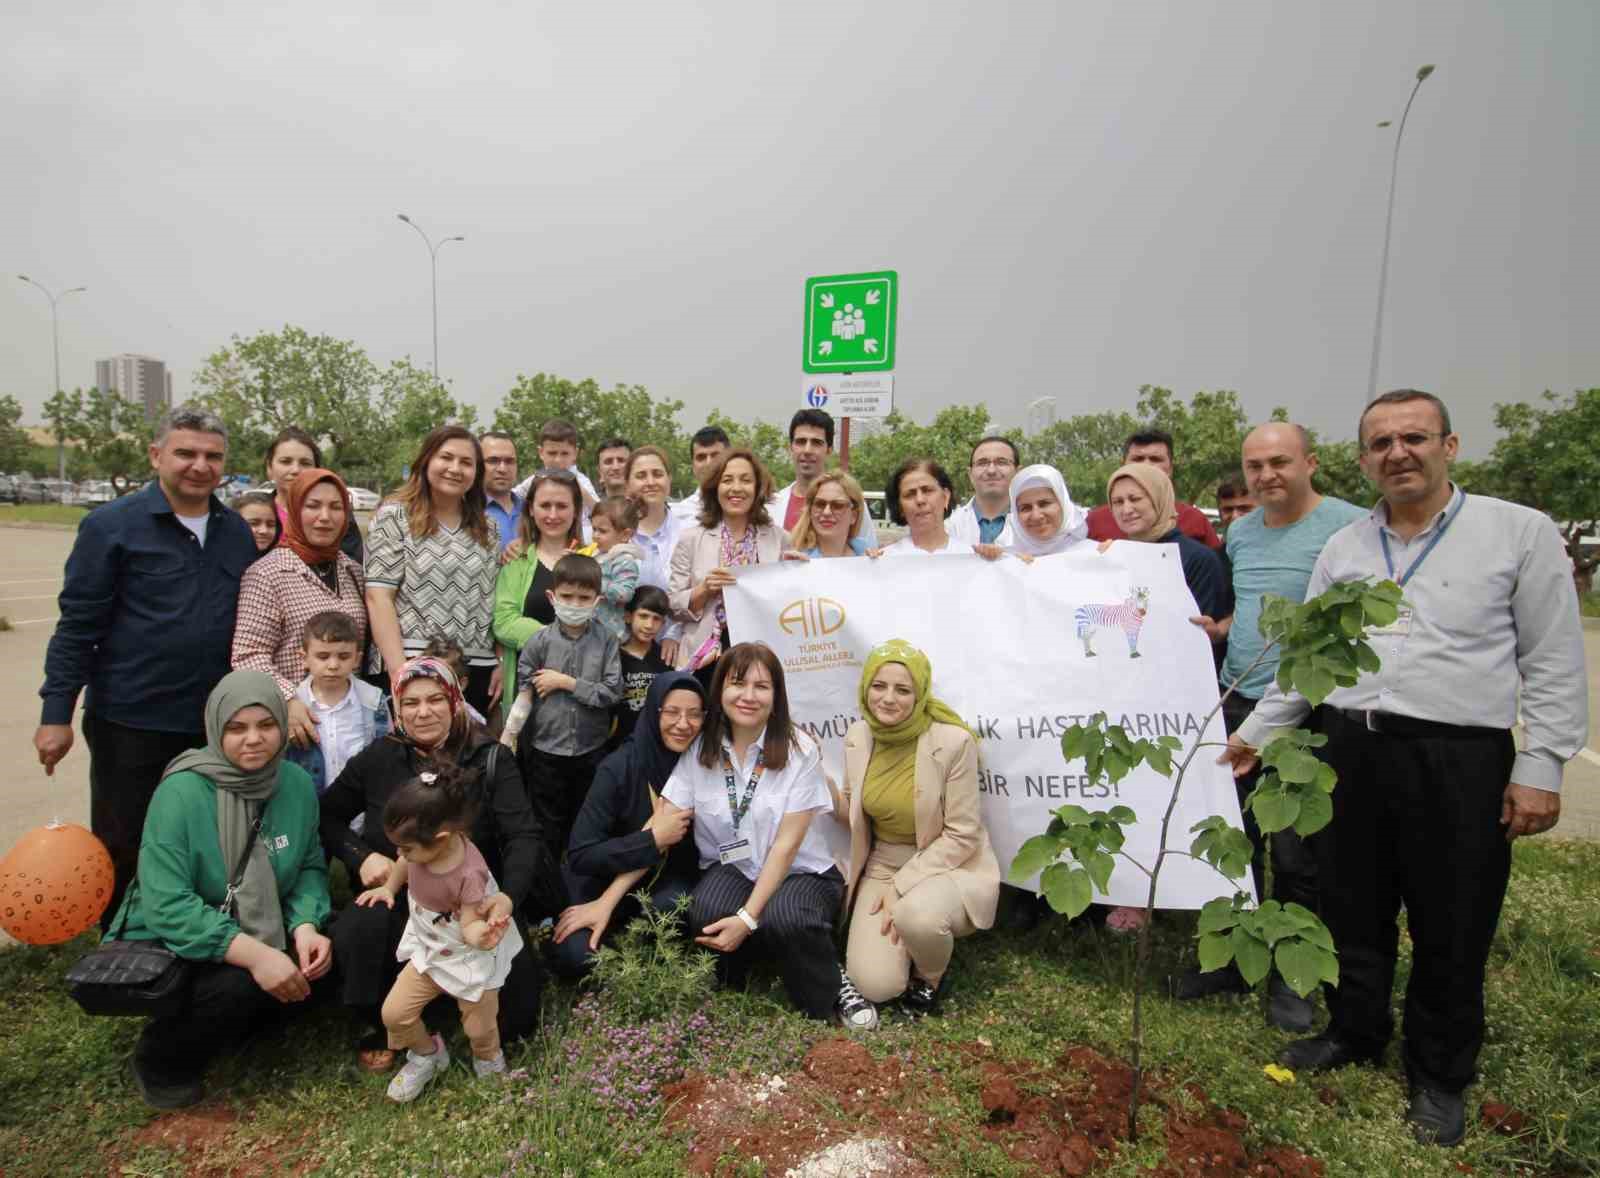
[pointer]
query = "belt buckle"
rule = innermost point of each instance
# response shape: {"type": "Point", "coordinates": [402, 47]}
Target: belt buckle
{"type": "Point", "coordinates": [1370, 717]}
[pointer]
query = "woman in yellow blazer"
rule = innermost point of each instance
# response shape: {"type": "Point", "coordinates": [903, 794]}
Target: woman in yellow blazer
{"type": "Point", "coordinates": [922, 872]}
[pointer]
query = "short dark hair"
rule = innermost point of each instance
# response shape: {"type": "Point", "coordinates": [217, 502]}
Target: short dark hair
{"type": "Point", "coordinates": [497, 433]}
{"type": "Point", "coordinates": [1149, 436]}
{"type": "Point", "coordinates": [813, 417]}
{"type": "Point", "coordinates": [556, 430]}
{"type": "Point", "coordinates": [613, 444]}
{"type": "Point", "coordinates": [652, 598]}
{"type": "Point", "coordinates": [331, 625]}
{"type": "Point", "coordinates": [448, 651]}
{"type": "Point", "coordinates": [623, 513]}
{"type": "Point", "coordinates": [293, 433]}
{"type": "Point", "coordinates": [891, 492]}
{"type": "Point", "coordinates": [1016, 455]}
{"type": "Point", "coordinates": [711, 506]}
{"type": "Point", "coordinates": [1400, 397]}
{"type": "Point", "coordinates": [735, 664]}
{"type": "Point", "coordinates": [577, 570]}
{"type": "Point", "coordinates": [1233, 487]}
{"type": "Point", "coordinates": [709, 435]}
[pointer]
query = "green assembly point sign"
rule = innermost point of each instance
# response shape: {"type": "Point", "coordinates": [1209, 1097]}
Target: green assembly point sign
{"type": "Point", "coordinates": [849, 323]}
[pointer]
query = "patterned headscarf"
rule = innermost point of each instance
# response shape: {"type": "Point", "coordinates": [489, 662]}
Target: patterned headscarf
{"type": "Point", "coordinates": [1157, 488]}
{"type": "Point", "coordinates": [294, 533]}
{"type": "Point", "coordinates": [428, 667]}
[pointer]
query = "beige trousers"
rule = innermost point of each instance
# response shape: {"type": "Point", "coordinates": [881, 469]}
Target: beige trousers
{"type": "Point", "coordinates": [928, 918]}
{"type": "Point", "coordinates": [402, 1015]}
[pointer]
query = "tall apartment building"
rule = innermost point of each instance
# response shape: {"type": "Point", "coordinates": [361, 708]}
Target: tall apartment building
{"type": "Point", "coordinates": [138, 378]}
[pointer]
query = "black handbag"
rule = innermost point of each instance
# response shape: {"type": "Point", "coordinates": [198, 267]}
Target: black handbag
{"type": "Point", "coordinates": [142, 978]}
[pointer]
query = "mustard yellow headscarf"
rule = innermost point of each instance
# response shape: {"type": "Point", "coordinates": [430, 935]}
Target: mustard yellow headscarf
{"type": "Point", "coordinates": [1158, 489]}
{"type": "Point", "coordinates": [892, 770]}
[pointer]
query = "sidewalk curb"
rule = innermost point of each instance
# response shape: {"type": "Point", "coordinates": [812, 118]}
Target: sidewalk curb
{"type": "Point", "coordinates": [32, 525]}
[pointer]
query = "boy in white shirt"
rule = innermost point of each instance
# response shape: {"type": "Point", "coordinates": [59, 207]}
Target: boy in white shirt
{"type": "Point", "coordinates": [350, 713]}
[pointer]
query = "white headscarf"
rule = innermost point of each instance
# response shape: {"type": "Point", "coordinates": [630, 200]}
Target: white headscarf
{"type": "Point", "coordinates": [1074, 520]}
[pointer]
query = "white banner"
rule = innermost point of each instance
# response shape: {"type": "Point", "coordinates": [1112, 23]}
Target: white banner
{"type": "Point", "coordinates": [1021, 651]}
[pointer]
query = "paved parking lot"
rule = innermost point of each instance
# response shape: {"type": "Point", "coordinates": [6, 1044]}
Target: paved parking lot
{"type": "Point", "coordinates": [31, 561]}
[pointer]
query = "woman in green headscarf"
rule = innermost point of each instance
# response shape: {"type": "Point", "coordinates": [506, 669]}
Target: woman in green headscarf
{"type": "Point", "coordinates": [922, 872]}
{"type": "Point", "coordinates": [254, 948]}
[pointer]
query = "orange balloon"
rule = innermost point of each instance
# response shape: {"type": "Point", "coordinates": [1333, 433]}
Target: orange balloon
{"type": "Point", "coordinates": [54, 884]}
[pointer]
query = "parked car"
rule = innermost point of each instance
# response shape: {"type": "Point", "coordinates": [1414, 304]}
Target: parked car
{"type": "Point", "coordinates": [10, 488]}
{"type": "Point", "coordinates": [94, 493]}
{"type": "Point", "coordinates": [364, 500]}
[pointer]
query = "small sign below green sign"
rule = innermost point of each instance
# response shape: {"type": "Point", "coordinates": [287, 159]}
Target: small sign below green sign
{"type": "Point", "coordinates": [850, 322]}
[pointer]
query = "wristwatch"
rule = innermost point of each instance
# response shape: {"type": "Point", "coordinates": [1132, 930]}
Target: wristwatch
{"type": "Point", "coordinates": [750, 922]}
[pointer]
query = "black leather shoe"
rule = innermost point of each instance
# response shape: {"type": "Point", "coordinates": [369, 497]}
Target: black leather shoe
{"type": "Point", "coordinates": [1191, 985]}
{"type": "Point", "coordinates": [1286, 1010]}
{"type": "Point", "coordinates": [160, 1092]}
{"type": "Point", "coordinates": [1437, 1118]}
{"type": "Point", "coordinates": [1320, 1054]}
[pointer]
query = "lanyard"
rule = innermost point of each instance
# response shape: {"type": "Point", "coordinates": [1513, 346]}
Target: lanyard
{"type": "Point", "coordinates": [1388, 559]}
{"type": "Point", "coordinates": [735, 807]}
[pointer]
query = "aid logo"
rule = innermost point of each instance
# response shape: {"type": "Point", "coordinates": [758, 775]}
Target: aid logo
{"type": "Point", "coordinates": [817, 396]}
{"type": "Point", "coordinates": [811, 617]}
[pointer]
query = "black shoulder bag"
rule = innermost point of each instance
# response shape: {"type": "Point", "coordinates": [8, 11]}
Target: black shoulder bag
{"type": "Point", "coordinates": [142, 978]}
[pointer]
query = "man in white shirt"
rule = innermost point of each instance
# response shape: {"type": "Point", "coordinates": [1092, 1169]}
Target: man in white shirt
{"type": "Point", "coordinates": [706, 449]}
{"type": "Point", "coordinates": [982, 519]}
{"type": "Point", "coordinates": [810, 447]}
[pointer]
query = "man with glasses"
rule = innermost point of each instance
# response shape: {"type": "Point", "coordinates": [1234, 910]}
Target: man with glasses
{"type": "Point", "coordinates": [982, 519]}
{"type": "Point", "coordinates": [499, 481]}
{"type": "Point", "coordinates": [1432, 790]}
{"type": "Point", "coordinates": [1155, 447]}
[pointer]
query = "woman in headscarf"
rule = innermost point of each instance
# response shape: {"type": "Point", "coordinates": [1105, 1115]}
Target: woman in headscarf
{"type": "Point", "coordinates": [234, 801]}
{"type": "Point", "coordinates": [305, 575]}
{"type": "Point", "coordinates": [623, 838]}
{"type": "Point", "coordinates": [1044, 519]}
{"type": "Point", "coordinates": [1143, 504]}
{"type": "Point", "coordinates": [433, 732]}
{"type": "Point", "coordinates": [922, 872]}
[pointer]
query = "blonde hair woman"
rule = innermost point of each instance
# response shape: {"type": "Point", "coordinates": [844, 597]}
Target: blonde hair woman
{"type": "Point", "coordinates": [832, 520]}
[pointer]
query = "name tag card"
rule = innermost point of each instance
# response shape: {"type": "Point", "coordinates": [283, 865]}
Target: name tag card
{"type": "Point", "coordinates": [735, 852]}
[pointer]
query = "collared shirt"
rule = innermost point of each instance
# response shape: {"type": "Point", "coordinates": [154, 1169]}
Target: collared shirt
{"type": "Point", "coordinates": [1277, 561]}
{"type": "Point", "coordinates": [506, 520]}
{"type": "Point", "coordinates": [567, 723]}
{"type": "Point", "coordinates": [147, 614]}
{"type": "Point", "coordinates": [970, 526]}
{"type": "Point", "coordinates": [344, 728]}
{"type": "Point", "coordinates": [797, 788]}
{"type": "Point", "coordinates": [1494, 611]}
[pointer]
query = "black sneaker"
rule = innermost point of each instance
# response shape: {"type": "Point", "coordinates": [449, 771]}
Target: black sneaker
{"type": "Point", "coordinates": [855, 1012]}
{"type": "Point", "coordinates": [160, 1092]}
{"type": "Point", "coordinates": [920, 998]}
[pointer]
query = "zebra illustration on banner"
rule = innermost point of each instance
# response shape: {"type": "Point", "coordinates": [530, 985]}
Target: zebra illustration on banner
{"type": "Point", "coordinates": [1127, 615]}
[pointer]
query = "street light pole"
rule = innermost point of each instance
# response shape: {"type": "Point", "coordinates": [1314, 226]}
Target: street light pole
{"type": "Point", "coordinates": [433, 267]}
{"type": "Point", "coordinates": [55, 345]}
{"type": "Point", "coordinates": [1388, 226]}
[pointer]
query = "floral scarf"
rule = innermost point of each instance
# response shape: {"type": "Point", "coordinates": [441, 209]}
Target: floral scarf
{"type": "Point", "coordinates": [732, 552]}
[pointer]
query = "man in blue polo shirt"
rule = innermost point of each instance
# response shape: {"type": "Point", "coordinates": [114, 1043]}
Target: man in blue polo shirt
{"type": "Point", "coordinates": [1271, 550]}
{"type": "Point", "coordinates": [499, 478]}
{"type": "Point", "coordinates": [146, 628]}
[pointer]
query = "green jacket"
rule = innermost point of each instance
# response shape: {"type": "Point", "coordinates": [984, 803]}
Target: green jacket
{"type": "Point", "coordinates": [511, 629]}
{"type": "Point", "coordinates": [182, 877]}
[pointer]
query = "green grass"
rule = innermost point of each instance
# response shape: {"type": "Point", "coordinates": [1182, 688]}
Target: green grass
{"type": "Point", "coordinates": [41, 513]}
{"type": "Point", "coordinates": [1589, 605]}
{"type": "Point", "coordinates": [69, 1107]}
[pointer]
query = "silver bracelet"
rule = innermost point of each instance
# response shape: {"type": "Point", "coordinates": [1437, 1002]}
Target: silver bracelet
{"type": "Point", "coordinates": [750, 922]}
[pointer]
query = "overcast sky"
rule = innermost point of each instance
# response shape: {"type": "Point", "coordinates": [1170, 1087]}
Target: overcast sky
{"type": "Point", "coordinates": [1079, 198]}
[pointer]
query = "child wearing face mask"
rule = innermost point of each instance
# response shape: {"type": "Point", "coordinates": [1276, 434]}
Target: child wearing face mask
{"type": "Point", "coordinates": [569, 676]}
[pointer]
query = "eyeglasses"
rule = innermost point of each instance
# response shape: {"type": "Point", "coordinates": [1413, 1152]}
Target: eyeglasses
{"type": "Point", "coordinates": [1415, 440]}
{"type": "Point", "coordinates": [993, 464]}
{"type": "Point", "coordinates": [682, 715]}
{"type": "Point", "coordinates": [831, 506]}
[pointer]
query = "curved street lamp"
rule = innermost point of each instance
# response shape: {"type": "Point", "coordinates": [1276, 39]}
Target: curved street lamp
{"type": "Point", "coordinates": [55, 343]}
{"type": "Point", "coordinates": [433, 264]}
{"type": "Point", "coordinates": [1388, 226]}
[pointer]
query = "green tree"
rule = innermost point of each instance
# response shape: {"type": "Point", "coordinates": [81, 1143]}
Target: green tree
{"type": "Point", "coordinates": [626, 411]}
{"type": "Point", "coordinates": [1085, 449]}
{"type": "Point", "coordinates": [14, 444]}
{"type": "Point", "coordinates": [410, 403]}
{"type": "Point", "coordinates": [769, 442]}
{"type": "Point", "coordinates": [1206, 436]}
{"type": "Point", "coordinates": [114, 434]}
{"type": "Point", "coordinates": [326, 386]}
{"type": "Point", "coordinates": [1545, 458]}
{"type": "Point", "coordinates": [948, 440]}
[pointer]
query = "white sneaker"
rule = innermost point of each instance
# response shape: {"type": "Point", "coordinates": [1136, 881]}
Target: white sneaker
{"type": "Point", "coordinates": [418, 1071]}
{"type": "Point", "coordinates": [855, 1012]}
{"type": "Point", "coordinates": [489, 1067]}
